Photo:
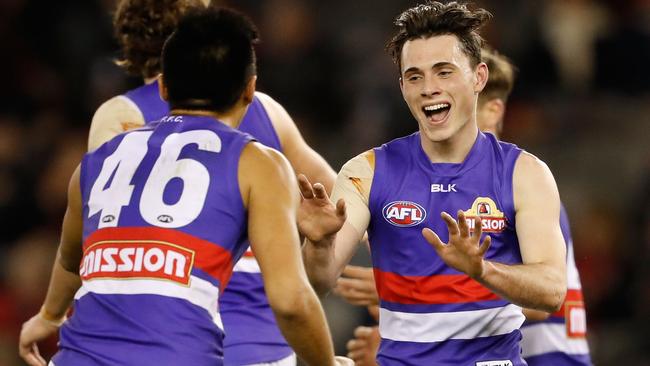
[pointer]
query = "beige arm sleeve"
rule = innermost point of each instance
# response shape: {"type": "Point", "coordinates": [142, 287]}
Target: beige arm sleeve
{"type": "Point", "coordinates": [353, 184]}
{"type": "Point", "coordinates": [115, 116]}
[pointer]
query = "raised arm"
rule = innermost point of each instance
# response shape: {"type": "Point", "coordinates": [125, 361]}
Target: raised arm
{"type": "Point", "coordinates": [64, 282]}
{"type": "Point", "coordinates": [270, 193]}
{"type": "Point", "coordinates": [113, 117]}
{"type": "Point", "coordinates": [302, 157]}
{"type": "Point", "coordinates": [540, 282]}
{"type": "Point", "coordinates": [332, 234]}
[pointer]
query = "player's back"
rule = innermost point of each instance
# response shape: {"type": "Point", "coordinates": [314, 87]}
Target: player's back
{"type": "Point", "coordinates": [244, 305]}
{"type": "Point", "coordinates": [163, 225]}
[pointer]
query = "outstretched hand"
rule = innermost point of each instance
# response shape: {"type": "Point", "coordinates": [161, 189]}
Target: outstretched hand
{"type": "Point", "coordinates": [464, 252]}
{"type": "Point", "coordinates": [318, 217]}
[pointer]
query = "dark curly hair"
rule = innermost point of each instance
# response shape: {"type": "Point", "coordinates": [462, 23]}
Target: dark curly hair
{"type": "Point", "coordinates": [434, 18]}
{"type": "Point", "coordinates": [141, 28]}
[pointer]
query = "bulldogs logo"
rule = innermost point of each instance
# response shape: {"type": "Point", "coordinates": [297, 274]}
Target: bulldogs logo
{"type": "Point", "coordinates": [492, 220]}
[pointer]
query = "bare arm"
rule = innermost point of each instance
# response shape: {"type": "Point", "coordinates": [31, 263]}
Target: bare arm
{"type": "Point", "coordinates": [64, 282]}
{"type": "Point", "coordinates": [302, 157]}
{"type": "Point", "coordinates": [331, 235]}
{"type": "Point", "coordinates": [269, 191]}
{"type": "Point", "coordinates": [540, 282]}
{"type": "Point", "coordinates": [115, 116]}
{"type": "Point", "coordinates": [537, 205]}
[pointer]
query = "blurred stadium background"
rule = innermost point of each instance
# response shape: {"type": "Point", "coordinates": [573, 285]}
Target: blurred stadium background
{"type": "Point", "coordinates": [581, 103]}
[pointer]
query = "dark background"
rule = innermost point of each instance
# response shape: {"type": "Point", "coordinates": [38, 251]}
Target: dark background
{"type": "Point", "coordinates": [580, 103]}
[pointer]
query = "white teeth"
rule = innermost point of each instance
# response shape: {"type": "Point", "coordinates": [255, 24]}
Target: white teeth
{"type": "Point", "coordinates": [435, 107]}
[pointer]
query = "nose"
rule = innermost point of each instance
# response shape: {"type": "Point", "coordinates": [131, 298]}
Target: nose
{"type": "Point", "coordinates": [430, 87]}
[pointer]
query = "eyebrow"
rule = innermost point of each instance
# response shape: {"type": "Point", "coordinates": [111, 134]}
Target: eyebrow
{"type": "Point", "coordinates": [436, 65]}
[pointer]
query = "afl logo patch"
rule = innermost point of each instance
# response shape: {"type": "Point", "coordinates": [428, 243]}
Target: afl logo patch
{"type": "Point", "coordinates": [404, 213]}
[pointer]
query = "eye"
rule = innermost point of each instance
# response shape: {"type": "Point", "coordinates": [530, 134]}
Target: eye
{"type": "Point", "coordinates": [444, 73]}
{"type": "Point", "coordinates": [413, 77]}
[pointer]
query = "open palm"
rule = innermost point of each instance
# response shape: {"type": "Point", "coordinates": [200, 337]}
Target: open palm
{"type": "Point", "coordinates": [464, 252]}
{"type": "Point", "coordinates": [318, 217]}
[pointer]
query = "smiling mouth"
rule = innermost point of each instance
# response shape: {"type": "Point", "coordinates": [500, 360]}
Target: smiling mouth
{"type": "Point", "coordinates": [436, 112]}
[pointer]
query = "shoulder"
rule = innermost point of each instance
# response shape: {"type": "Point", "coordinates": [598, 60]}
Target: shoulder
{"type": "Point", "coordinates": [528, 164]}
{"type": "Point", "coordinates": [279, 117]}
{"type": "Point", "coordinates": [114, 116]}
{"type": "Point", "coordinates": [119, 105]}
{"type": "Point", "coordinates": [270, 104]}
{"type": "Point", "coordinates": [261, 167]}
{"type": "Point", "coordinates": [258, 160]}
{"type": "Point", "coordinates": [363, 162]}
{"type": "Point", "coordinates": [533, 180]}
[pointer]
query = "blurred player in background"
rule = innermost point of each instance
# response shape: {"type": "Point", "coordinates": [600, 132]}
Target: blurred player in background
{"type": "Point", "coordinates": [161, 212]}
{"type": "Point", "coordinates": [141, 27]}
{"type": "Point", "coordinates": [548, 339]}
{"type": "Point", "coordinates": [454, 303]}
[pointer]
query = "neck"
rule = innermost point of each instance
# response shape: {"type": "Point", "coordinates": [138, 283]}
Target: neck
{"type": "Point", "coordinates": [150, 80]}
{"type": "Point", "coordinates": [452, 150]}
{"type": "Point", "coordinates": [231, 118]}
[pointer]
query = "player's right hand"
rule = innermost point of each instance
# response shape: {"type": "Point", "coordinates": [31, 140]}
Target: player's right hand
{"type": "Point", "coordinates": [34, 330]}
{"type": "Point", "coordinates": [343, 361]}
{"type": "Point", "coordinates": [363, 348]}
{"type": "Point", "coordinates": [318, 217]}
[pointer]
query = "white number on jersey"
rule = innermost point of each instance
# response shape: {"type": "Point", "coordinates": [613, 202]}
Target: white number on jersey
{"type": "Point", "coordinates": [152, 207]}
{"type": "Point", "coordinates": [122, 164]}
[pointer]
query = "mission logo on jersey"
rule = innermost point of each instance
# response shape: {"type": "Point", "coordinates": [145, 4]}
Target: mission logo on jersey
{"type": "Point", "coordinates": [493, 220]}
{"type": "Point", "coordinates": [404, 213]}
{"type": "Point", "coordinates": [137, 259]}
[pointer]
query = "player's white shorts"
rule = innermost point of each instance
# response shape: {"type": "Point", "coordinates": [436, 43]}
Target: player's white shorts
{"type": "Point", "coordinates": [287, 361]}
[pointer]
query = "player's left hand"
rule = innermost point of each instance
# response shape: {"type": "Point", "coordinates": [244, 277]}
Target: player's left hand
{"type": "Point", "coordinates": [363, 348]}
{"type": "Point", "coordinates": [464, 252]}
{"type": "Point", "coordinates": [34, 330]}
{"type": "Point", "coordinates": [357, 286]}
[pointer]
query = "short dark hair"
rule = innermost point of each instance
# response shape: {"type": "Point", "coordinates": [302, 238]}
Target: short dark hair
{"type": "Point", "coordinates": [433, 19]}
{"type": "Point", "coordinates": [501, 79]}
{"type": "Point", "coordinates": [141, 28]}
{"type": "Point", "coordinates": [209, 59]}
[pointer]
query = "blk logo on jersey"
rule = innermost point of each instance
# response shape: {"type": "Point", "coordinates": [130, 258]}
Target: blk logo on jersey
{"type": "Point", "coordinates": [129, 259]}
{"type": "Point", "coordinates": [492, 220]}
{"type": "Point", "coordinates": [443, 188]}
{"type": "Point", "coordinates": [404, 213]}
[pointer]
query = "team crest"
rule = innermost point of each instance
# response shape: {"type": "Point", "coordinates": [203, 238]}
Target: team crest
{"type": "Point", "coordinates": [493, 220]}
{"type": "Point", "coordinates": [404, 213]}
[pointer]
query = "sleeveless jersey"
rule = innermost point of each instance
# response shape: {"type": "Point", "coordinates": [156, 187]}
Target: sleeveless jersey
{"type": "Point", "coordinates": [431, 314]}
{"type": "Point", "coordinates": [244, 306]}
{"type": "Point", "coordinates": [561, 339]}
{"type": "Point", "coordinates": [252, 334]}
{"type": "Point", "coordinates": [163, 225]}
{"type": "Point", "coordinates": [147, 99]}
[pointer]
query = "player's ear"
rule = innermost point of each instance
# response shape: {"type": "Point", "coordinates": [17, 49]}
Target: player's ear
{"type": "Point", "coordinates": [249, 91]}
{"type": "Point", "coordinates": [162, 88]}
{"type": "Point", "coordinates": [482, 74]}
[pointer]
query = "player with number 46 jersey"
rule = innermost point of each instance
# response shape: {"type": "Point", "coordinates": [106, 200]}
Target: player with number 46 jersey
{"type": "Point", "coordinates": [157, 218]}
